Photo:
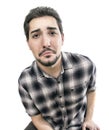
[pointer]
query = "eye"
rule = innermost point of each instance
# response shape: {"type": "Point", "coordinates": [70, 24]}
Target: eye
{"type": "Point", "coordinates": [52, 33]}
{"type": "Point", "coordinates": [35, 36]}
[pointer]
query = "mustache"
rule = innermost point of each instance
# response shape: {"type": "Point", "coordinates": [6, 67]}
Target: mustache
{"type": "Point", "coordinates": [47, 49]}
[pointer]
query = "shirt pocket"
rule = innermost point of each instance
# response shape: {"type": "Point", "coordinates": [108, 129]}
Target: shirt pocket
{"type": "Point", "coordinates": [78, 91]}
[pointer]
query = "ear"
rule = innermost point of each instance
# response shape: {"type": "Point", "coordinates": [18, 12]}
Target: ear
{"type": "Point", "coordinates": [28, 44]}
{"type": "Point", "coordinates": [62, 35]}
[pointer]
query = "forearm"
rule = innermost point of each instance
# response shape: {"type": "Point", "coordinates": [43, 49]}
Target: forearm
{"type": "Point", "coordinates": [90, 105]}
{"type": "Point", "coordinates": [88, 123]}
{"type": "Point", "coordinates": [40, 123]}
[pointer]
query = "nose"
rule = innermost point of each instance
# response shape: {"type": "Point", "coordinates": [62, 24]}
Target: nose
{"type": "Point", "coordinates": [46, 41]}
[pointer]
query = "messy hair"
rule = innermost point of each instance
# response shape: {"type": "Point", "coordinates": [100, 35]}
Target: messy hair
{"type": "Point", "coordinates": [40, 12]}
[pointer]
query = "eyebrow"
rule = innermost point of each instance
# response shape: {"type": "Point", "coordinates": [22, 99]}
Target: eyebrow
{"type": "Point", "coordinates": [36, 30]}
{"type": "Point", "coordinates": [48, 28]}
{"type": "Point", "coordinates": [51, 28]}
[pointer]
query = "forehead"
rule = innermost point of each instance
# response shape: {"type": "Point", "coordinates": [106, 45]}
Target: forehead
{"type": "Point", "coordinates": [43, 23]}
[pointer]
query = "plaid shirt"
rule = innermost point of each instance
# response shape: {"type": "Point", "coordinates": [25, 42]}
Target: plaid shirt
{"type": "Point", "coordinates": [62, 101]}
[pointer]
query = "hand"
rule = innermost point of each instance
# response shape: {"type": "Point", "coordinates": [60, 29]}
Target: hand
{"type": "Point", "coordinates": [89, 125]}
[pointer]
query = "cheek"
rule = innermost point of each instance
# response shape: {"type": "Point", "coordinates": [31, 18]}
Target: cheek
{"type": "Point", "coordinates": [59, 44]}
{"type": "Point", "coordinates": [58, 48]}
{"type": "Point", "coordinates": [34, 48]}
{"type": "Point", "coordinates": [29, 45]}
{"type": "Point", "coordinates": [32, 45]}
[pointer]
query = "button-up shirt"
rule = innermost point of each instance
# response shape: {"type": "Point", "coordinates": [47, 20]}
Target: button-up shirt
{"type": "Point", "coordinates": [61, 101]}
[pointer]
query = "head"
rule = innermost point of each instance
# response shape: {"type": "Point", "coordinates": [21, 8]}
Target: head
{"type": "Point", "coordinates": [44, 33]}
{"type": "Point", "coordinates": [41, 12]}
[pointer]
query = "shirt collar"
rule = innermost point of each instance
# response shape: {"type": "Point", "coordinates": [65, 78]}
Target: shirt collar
{"type": "Point", "coordinates": [66, 61]}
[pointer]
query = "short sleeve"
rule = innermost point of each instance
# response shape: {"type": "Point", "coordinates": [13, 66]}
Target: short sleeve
{"type": "Point", "coordinates": [92, 81]}
{"type": "Point", "coordinates": [28, 103]}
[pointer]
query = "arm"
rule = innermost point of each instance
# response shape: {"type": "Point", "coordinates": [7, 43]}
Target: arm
{"type": "Point", "coordinates": [31, 109]}
{"type": "Point", "coordinates": [88, 123]}
{"type": "Point", "coordinates": [90, 105]}
{"type": "Point", "coordinates": [40, 123]}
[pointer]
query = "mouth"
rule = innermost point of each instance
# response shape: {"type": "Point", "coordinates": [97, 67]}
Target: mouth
{"type": "Point", "coordinates": [47, 52]}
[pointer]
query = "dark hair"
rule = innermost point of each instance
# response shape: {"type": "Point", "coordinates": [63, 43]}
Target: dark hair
{"type": "Point", "coordinates": [40, 12]}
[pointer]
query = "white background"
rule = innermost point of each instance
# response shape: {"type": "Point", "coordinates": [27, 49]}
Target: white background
{"type": "Point", "coordinates": [86, 29]}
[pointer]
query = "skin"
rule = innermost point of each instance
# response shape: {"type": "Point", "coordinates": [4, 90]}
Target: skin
{"type": "Point", "coordinates": [45, 41]}
{"type": "Point", "coordinates": [88, 123]}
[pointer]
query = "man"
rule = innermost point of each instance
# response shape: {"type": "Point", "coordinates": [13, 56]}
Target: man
{"type": "Point", "coordinates": [58, 89]}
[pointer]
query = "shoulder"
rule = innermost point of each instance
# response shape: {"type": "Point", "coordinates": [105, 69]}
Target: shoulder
{"type": "Point", "coordinates": [26, 73]}
{"type": "Point", "coordinates": [76, 57]}
{"type": "Point", "coordinates": [79, 61]}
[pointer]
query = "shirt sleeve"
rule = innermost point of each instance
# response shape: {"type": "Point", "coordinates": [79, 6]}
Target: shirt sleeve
{"type": "Point", "coordinates": [92, 81]}
{"type": "Point", "coordinates": [28, 103]}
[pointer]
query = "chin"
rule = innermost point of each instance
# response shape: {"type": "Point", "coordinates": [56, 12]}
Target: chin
{"type": "Point", "coordinates": [48, 62]}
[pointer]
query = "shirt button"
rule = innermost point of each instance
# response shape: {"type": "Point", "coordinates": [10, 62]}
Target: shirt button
{"type": "Point", "coordinates": [60, 96]}
{"type": "Point", "coordinates": [58, 81]}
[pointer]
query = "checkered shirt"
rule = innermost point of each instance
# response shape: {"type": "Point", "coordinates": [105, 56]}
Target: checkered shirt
{"type": "Point", "coordinates": [62, 101]}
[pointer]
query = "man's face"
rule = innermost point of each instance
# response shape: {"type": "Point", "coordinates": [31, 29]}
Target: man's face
{"type": "Point", "coordinates": [45, 40]}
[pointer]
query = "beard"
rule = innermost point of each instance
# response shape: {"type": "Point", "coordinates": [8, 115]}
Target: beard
{"type": "Point", "coordinates": [49, 63]}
